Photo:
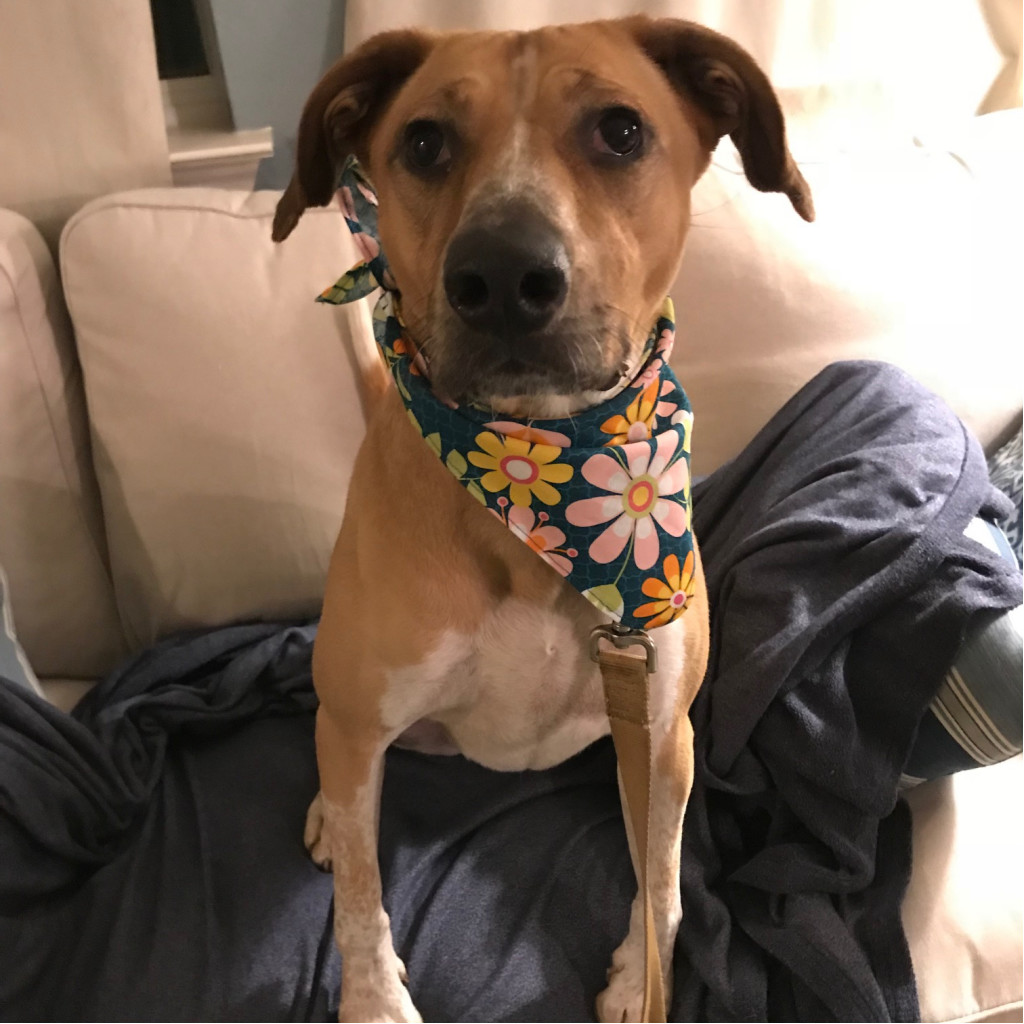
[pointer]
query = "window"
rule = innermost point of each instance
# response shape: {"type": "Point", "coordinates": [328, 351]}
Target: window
{"type": "Point", "coordinates": [204, 147]}
{"type": "Point", "coordinates": [180, 52]}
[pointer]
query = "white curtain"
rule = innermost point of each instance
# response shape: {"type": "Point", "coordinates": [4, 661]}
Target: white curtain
{"type": "Point", "coordinates": [852, 74]}
{"type": "Point", "coordinates": [80, 107]}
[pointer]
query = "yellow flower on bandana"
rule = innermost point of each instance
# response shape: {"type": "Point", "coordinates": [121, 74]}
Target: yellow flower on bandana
{"type": "Point", "coordinates": [671, 594]}
{"type": "Point", "coordinates": [526, 470]}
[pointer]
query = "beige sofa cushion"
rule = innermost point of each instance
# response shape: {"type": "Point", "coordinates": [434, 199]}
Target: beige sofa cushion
{"type": "Point", "coordinates": [224, 409]}
{"type": "Point", "coordinates": [51, 532]}
{"type": "Point", "coordinates": [962, 912]}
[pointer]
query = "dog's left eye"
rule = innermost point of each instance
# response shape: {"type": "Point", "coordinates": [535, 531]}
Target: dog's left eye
{"type": "Point", "coordinates": [425, 146]}
{"type": "Point", "coordinates": [619, 132]}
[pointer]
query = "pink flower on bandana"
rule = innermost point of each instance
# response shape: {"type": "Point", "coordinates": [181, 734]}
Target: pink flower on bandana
{"type": "Point", "coordinates": [546, 540]}
{"type": "Point", "coordinates": [367, 193]}
{"type": "Point", "coordinates": [347, 206]}
{"type": "Point", "coordinates": [650, 375]}
{"type": "Point", "coordinates": [639, 496]}
{"type": "Point", "coordinates": [367, 246]}
{"type": "Point", "coordinates": [666, 408]}
{"type": "Point", "coordinates": [527, 433]}
{"type": "Point", "coordinates": [661, 348]}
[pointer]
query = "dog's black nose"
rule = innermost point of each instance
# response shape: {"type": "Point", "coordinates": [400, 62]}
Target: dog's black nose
{"type": "Point", "coordinates": [508, 272]}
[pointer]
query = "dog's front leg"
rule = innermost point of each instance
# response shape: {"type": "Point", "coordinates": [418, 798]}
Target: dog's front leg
{"type": "Point", "coordinates": [351, 761]}
{"type": "Point", "coordinates": [622, 1000]}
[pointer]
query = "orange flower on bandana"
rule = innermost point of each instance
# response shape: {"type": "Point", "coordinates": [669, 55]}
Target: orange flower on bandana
{"type": "Point", "coordinates": [637, 423]}
{"type": "Point", "coordinates": [527, 470]}
{"type": "Point", "coordinates": [403, 347]}
{"type": "Point", "coordinates": [670, 595]}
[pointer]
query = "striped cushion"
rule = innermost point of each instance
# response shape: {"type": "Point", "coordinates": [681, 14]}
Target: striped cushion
{"type": "Point", "coordinates": [975, 718]}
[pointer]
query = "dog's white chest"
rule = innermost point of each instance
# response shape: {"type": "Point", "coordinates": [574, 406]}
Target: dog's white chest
{"type": "Point", "coordinates": [521, 692]}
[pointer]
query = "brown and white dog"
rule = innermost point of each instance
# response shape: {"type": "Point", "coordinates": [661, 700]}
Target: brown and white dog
{"type": "Point", "coordinates": [557, 166]}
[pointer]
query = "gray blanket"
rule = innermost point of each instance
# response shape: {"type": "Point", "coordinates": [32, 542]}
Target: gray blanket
{"type": "Point", "coordinates": [151, 863]}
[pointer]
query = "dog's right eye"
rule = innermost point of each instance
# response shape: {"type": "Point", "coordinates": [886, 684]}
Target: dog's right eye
{"type": "Point", "coordinates": [619, 133]}
{"type": "Point", "coordinates": [425, 146]}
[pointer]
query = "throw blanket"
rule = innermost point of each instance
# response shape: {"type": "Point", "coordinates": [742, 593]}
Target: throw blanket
{"type": "Point", "coordinates": [151, 864]}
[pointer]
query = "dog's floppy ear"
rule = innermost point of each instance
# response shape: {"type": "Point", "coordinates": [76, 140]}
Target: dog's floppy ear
{"type": "Point", "coordinates": [339, 114]}
{"type": "Point", "coordinates": [727, 85]}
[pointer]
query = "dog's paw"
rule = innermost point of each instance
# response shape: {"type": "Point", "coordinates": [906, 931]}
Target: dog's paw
{"type": "Point", "coordinates": [389, 1003]}
{"type": "Point", "coordinates": [623, 999]}
{"type": "Point", "coordinates": [315, 835]}
{"type": "Point", "coordinates": [405, 1013]}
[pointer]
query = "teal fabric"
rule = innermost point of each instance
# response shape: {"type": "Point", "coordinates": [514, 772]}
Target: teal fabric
{"type": "Point", "coordinates": [603, 497]}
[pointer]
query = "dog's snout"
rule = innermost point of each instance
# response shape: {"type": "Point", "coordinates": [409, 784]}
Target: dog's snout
{"type": "Point", "coordinates": [508, 274]}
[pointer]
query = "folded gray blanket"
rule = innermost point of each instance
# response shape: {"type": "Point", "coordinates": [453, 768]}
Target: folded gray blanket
{"type": "Point", "coordinates": [151, 863]}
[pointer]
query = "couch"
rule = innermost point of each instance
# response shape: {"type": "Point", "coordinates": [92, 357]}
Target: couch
{"type": "Point", "coordinates": [180, 419]}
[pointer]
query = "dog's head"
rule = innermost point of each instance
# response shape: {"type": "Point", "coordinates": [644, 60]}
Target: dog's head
{"type": "Point", "coordinates": [534, 188]}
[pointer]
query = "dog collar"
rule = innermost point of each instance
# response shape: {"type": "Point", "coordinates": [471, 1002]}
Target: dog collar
{"type": "Point", "coordinates": [603, 496]}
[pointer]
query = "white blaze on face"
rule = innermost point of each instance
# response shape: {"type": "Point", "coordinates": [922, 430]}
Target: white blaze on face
{"type": "Point", "coordinates": [517, 172]}
{"type": "Point", "coordinates": [519, 169]}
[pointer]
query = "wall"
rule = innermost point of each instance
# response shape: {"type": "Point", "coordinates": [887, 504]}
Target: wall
{"type": "Point", "coordinates": [273, 53]}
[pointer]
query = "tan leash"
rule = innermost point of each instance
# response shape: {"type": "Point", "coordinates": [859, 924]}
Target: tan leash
{"type": "Point", "coordinates": [625, 673]}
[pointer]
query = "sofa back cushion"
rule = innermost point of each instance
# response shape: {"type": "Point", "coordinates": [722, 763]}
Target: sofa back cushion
{"type": "Point", "coordinates": [51, 531]}
{"type": "Point", "coordinates": [223, 402]}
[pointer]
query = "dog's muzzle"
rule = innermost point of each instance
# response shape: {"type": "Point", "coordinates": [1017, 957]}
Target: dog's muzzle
{"type": "Point", "coordinates": [506, 272]}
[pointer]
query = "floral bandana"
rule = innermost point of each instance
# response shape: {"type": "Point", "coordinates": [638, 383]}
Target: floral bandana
{"type": "Point", "coordinates": [603, 496]}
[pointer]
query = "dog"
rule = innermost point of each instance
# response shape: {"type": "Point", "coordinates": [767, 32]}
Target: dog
{"type": "Point", "coordinates": [534, 198]}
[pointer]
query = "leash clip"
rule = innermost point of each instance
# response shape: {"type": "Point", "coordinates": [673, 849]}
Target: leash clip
{"type": "Point", "coordinates": [623, 637]}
